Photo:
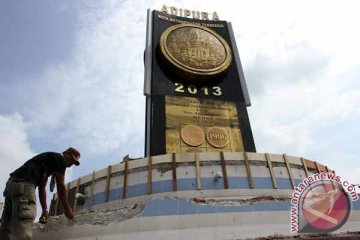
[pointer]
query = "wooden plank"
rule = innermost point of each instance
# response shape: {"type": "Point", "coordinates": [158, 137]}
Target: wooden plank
{"type": "Point", "coordinates": [305, 167]}
{"type": "Point", "coordinates": [224, 171]}
{"type": "Point", "coordinates": [289, 170]}
{"type": "Point", "coordinates": [322, 168]}
{"type": "Point", "coordinates": [273, 178]}
{"type": "Point", "coordinates": [248, 171]}
{"type": "Point", "coordinates": [85, 179]}
{"type": "Point", "coordinates": [174, 167]}
{"type": "Point", "coordinates": [92, 191]}
{"type": "Point", "coordinates": [57, 204]}
{"type": "Point", "coordinates": [149, 187]}
{"type": "Point", "coordinates": [76, 191]}
{"type": "Point", "coordinates": [318, 167]}
{"type": "Point", "coordinates": [310, 164]}
{"type": "Point", "coordinates": [198, 177]}
{"type": "Point", "coordinates": [125, 188]}
{"type": "Point", "coordinates": [107, 186]}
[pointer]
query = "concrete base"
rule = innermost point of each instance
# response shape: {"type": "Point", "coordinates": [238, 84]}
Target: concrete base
{"type": "Point", "coordinates": [243, 225]}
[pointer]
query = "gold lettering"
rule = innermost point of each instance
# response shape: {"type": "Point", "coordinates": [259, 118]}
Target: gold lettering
{"type": "Point", "coordinates": [215, 16]}
{"type": "Point", "coordinates": [205, 54]}
{"type": "Point", "coordinates": [204, 16]}
{"type": "Point", "coordinates": [163, 17]}
{"type": "Point", "coordinates": [212, 25]}
{"type": "Point", "coordinates": [164, 9]}
{"type": "Point", "coordinates": [218, 136]}
{"type": "Point", "coordinates": [196, 14]}
{"type": "Point", "coordinates": [187, 13]}
{"type": "Point", "coordinates": [217, 91]}
{"type": "Point", "coordinates": [199, 54]}
{"type": "Point", "coordinates": [173, 11]}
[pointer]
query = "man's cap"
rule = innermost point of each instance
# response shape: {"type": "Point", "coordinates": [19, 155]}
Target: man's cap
{"type": "Point", "coordinates": [75, 154]}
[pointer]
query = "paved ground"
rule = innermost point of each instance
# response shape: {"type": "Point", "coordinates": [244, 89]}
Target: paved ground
{"type": "Point", "coordinates": [340, 236]}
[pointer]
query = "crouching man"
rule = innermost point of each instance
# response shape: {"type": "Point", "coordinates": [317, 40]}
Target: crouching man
{"type": "Point", "coordinates": [20, 203]}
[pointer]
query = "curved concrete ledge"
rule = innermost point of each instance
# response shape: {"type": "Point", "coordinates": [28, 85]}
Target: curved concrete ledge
{"type": "Point", "coordinates": [186, 195]}
{"type": "Point", "coordinates": [188, 175]}
{"type": "Point", "coordinates": [222, 225]}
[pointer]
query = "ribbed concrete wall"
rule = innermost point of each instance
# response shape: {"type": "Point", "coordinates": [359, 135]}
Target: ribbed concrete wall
{"type": "Point", "coordinates": [182, 219]}
{"type": "Point", "coordinates": [178, 196]}
{"type": "Point", "coordinates": [175, 173]}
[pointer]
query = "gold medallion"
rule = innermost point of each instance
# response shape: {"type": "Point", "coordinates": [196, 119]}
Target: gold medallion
{"type": "Point", "coordinates": [192, 135]}
{"type": "Point", "coordinates": [217, 137]}
{"type": "Point", "coordinates": [195, 50]}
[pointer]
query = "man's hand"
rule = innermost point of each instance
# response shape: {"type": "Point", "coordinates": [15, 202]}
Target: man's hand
{"type": "Point", "coordinates": [63, 195]}
{"type": "Point", "coordinates": [44, 217]}
{"type": "Point", "coordinates": [68, 214]}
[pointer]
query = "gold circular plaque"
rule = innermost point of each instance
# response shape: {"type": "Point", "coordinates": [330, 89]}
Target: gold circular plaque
{"type": "Point", "coordinates": [217, 137]}
{"type": "Point", "coordinates": [195, 50]}
{"type": "Point", "coordinates": [192, 135]}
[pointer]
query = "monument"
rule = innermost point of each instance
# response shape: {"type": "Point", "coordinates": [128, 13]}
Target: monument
{"type": "Point", "coordinates": [201, 177]}
{"type": "Point", "coordinates": [196, 95]}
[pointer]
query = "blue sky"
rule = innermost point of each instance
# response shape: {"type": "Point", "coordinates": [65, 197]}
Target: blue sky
{"type": "Point", "coordinates": [71, 74]}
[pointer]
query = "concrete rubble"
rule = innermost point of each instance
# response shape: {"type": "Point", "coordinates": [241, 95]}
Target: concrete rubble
{"type": "Point", "coordinates": [239, 201]}
{"type": "Point", "coordinates": [102, 217]}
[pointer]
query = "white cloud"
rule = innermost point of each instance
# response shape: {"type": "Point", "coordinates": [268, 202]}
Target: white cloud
{"type": "Point", "coordinates": [94, 100]}
{"type": "Point", "coordinates": [307, 114]}
{"type": "Point", "coordinates": [302, 73]}
{"type": "Point", "coordinates": [14, 146]}
{"type": "Point", "coordinates": [300, 62]}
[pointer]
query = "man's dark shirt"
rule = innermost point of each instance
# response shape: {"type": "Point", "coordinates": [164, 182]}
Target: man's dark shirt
{"type": "Point", "coordinates": [40, 167]}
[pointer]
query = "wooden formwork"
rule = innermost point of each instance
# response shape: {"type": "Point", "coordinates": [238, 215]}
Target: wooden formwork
{"type": "Point", "coordinates": [176, 160]}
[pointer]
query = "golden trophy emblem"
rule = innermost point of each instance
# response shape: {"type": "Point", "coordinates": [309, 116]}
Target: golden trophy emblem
{"type": "Point", "coordinates": [195, 50]}
{"type": "Point", "coordinates": [217, 137]}
{"type": "Point", "coordinates": [192, 135]}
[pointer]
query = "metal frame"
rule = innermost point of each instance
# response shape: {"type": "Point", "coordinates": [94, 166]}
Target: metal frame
{"type": "Point", "coordinates": [147, 80]}
{"type": "Point", "coordinates": [147, 54]}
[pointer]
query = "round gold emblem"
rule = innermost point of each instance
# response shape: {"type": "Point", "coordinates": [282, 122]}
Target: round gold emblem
{"type": "Point", "coordinates": [192, 135]}
{"type": "Point", "coordinates": [217, 137]}
{"type": "Point", "coordinates": [196, 50]}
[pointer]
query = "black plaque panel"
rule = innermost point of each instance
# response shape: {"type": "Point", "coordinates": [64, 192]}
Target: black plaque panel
{"type": "Point", "coordinates": [166, 82]}
{"type": "Point", "coordinates": [162, 78]}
